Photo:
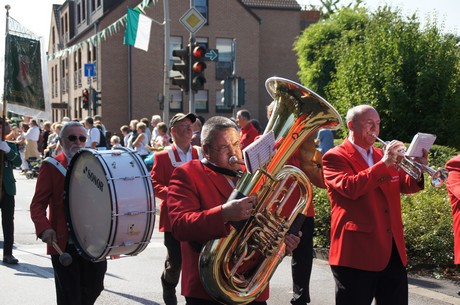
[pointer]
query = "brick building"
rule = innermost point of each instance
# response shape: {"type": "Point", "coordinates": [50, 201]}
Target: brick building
{"type": "Point", "coordinates": [131, 81]}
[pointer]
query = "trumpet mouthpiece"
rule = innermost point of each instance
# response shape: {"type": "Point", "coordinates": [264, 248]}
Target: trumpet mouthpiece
{"type": "Point", "coordinates": [234, 159]}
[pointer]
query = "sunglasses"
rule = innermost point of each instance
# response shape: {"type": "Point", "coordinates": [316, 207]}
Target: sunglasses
{"type": "Point", "coordinates": [73, 138]}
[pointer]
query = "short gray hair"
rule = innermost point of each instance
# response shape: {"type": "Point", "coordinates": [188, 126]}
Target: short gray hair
{"type": "Point", "coordinates": [67, 126]}
{"type": "Point", "coordinates": [214, 125]}
{"type": "Point", "coordinates": [356, 111]}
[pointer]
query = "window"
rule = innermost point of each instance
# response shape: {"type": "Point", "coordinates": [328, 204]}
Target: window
{"type": "Point", "coordinates": [201, 101]}
{"type": "Point", "coordinates": [202, 7]}
{"type": "Point", "coordinates": [83, 10]}
{"type": "Point", "coordinates": [224, 66]}
{"type": "Point", "coordinates": [175, 100]}
{"type": "Point", "coordinates": [78, 13]}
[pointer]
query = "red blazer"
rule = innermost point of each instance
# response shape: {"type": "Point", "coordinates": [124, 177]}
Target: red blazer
{"type": "Point", "coordinates": [247, 135]}
{"type": "Point", "coordinates": [365, 208]}
{"type": "Point", "coordinates": [453, 189]}
{"type": "Point", "coordinates": [161, 172]}
{"type": "Point", "coordinates": [195, 196]}
{"type": "Point", "coordinates": [49, 193]}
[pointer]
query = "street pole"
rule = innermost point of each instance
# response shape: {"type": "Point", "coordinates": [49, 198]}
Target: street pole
{"type": "Point", "coordinates": [2, 154]}
{"type": "Point", "coordinates": [166, 64]}
{"type": "Point", "coordinates": [191, 97]}
{"type": "Point", "coordinates": [234, 80]}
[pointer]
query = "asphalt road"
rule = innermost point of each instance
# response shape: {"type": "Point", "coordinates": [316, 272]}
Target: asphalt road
{"type": "Point", "coordinates": [136, 280]}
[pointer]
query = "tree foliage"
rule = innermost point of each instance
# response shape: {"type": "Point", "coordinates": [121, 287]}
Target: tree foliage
{"type": "Point", "coordinates": [408, 73]}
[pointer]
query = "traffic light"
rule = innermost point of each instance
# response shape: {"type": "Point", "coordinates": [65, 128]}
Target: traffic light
{"type": "Point", "coordinates": [183, 67]}
{"type": "Point", "coordinates": [85, 94]}
{"type": "Point", "coordinates": [198, 67]}
{"type": "Point", "coordinates": [96, 98]}
{"type": "Point", "coordinates": [241, 92]}
{"type": "Point", "coordinates": [227, 92]}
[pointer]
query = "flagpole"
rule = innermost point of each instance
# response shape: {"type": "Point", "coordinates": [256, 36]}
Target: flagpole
{"type": "Point", "coordinates": [2, 153]}
{"type": "Point", "coordinates": [166, 62]}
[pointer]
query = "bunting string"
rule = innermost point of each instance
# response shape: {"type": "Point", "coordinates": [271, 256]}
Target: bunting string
{"type": "Point", "coordinates": [109, 31]}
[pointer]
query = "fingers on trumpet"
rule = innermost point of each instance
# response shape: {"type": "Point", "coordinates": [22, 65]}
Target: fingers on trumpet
{"type": "Point", "coordinates": [394, 152]}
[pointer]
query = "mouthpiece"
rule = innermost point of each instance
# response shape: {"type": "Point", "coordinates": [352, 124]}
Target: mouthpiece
{"type": "Point", "coordinates": [234, 159]}
{"type": "Point", "coordinates": [378, 139]}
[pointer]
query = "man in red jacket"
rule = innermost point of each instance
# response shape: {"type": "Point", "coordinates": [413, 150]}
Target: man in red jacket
{"type": "Point", "coordinates": [367, 253]}
{"type": "Point", "coordinates": [453, 189]}
{"type": "Point", "coordinates": [198, 207]}
{"type": "Point", "coordinates": [164, 164]}
{"type": "Point", "coordinates": [248, 132]}
{"type": "Point", "coordinates": [82, 281]}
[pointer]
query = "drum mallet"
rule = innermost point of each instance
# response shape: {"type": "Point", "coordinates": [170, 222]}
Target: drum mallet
{"type": "Point", "coordinates": [64, 258]}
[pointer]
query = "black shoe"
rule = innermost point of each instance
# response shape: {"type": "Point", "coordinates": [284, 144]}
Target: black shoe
{"type": "Point", "coordinates": [10, 259]}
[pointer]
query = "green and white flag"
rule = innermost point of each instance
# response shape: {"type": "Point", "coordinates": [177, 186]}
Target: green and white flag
{"type": "Point", "coordinates": [137, 31]}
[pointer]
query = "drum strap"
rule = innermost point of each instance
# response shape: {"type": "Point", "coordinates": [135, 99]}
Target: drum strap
{"type": "Point", "coordinates": [56, 163]}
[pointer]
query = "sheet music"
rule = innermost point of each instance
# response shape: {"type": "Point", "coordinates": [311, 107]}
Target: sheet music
{"type": "Point", "coordinates": [420, 141]}
{"type": "Point", "coordinates": [259, 152]}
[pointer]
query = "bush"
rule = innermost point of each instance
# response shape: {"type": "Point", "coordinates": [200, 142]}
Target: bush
{"type": "Point", "coordinates": [426, 216]}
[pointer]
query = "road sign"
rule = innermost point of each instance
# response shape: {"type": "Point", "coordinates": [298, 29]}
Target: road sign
{"type": "Point", "coordinates": [192, 20]}
{"type": "Point", "coordinates": [212, 55]}
{"type": "Point", "coordinates": [89, 70]}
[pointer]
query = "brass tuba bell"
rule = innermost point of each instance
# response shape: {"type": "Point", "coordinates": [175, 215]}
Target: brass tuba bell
{"type": "Point", "coordinates": [298, 113]}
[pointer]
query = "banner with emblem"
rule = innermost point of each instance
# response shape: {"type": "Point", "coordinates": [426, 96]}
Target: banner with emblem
{"type": "Point", "coordinates": [23, 72]}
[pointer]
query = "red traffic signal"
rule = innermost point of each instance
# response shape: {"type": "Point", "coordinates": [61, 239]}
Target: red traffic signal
{"type": "Point", "coordinates": [85, 94]}
{"type": "Point", "coordinates": [198, 67]}
{"type": "Point", "coordinates": [199, 52]}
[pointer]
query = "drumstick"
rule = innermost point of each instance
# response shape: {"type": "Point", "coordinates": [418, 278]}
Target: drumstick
{"type": "Point", "coordinates": [64, 258]}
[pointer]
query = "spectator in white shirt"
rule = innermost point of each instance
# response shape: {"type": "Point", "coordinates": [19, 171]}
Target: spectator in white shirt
{"type": "Point", "coordinates": [93, 134]}
{"type": "Point", "coordinates": [32, 136]}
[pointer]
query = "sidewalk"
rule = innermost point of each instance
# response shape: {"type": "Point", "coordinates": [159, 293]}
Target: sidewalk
{"type": "Point", "coordinates": [443, 290]}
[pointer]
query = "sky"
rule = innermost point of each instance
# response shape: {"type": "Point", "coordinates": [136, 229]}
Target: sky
{"type": "Point", "coordinates": [36, 15]}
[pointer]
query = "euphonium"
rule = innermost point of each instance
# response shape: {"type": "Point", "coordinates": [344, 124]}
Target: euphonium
{"type": "Point", "coordinates": [297, 115]}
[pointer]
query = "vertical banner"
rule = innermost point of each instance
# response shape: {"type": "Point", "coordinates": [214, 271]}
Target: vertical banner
{"type": "Point", "coordinates": [23, 73]}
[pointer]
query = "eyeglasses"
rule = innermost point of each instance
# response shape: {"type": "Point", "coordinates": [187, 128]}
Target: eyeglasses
{"type": "Point", "coordinates": [188, 126]}
{"type": "Point", "coordinates": [73, 138]}
{"type": "Point", "coordinates": [227, 148]}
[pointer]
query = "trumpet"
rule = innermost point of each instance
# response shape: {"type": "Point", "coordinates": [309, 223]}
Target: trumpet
{"type": "Point", "coordinates": [416, 169]}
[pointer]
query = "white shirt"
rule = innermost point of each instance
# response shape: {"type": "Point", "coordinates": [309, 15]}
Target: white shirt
{"type": "Point", "coordinates": [366, 155]}
{"type": "Point", "coordinates": [93, 135]}
{"type": "Point", "coordinates": [33, 133]}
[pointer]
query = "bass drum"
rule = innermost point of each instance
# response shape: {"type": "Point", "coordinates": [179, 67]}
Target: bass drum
{"type": "Point", "coordinates": [109, 203]}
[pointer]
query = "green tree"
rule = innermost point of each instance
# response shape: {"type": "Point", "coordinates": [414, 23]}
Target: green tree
{"type": "Point", "coordinates": [317, 48]}
{"type": "Point", "coordinates": [408, 73]}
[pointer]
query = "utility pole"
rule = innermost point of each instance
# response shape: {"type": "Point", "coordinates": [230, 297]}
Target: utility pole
{"type": "Point", "coordinates": [166, 84]}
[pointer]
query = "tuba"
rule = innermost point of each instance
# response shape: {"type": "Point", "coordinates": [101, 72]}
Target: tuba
{"type": "Point", "coordinates": [236, 269]}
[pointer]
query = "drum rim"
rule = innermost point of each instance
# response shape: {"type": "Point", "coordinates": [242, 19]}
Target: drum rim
{"type": "Point", "coordinates": [148, 232]}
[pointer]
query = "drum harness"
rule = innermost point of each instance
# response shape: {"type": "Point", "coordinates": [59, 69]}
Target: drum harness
{"type": "Point", "coordinates": [56, 163]}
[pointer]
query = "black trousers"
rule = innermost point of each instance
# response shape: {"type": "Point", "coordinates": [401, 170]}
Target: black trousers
{"type": "Point", "coordinates": [81, 282]}
{"type": "Point", "coordinates": [301, 264]}
{"type": "Point", "coordinates": [195, 301]}
{"type": "Point", "coordinates": [173, 262]}
{"type": "Point", "coordinates": [359, 287]}
{"type": "Point", "coordinates": [7, 206]}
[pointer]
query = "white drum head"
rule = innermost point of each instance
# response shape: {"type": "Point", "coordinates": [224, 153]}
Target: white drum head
{"type": "Point", "coordinates": [88, 201]}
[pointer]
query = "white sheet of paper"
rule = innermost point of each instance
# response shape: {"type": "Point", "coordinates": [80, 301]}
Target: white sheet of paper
{"type": "Point", "coordinates": [420, 141]}
{"type": "Point", "coordinates": [259, 152]}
